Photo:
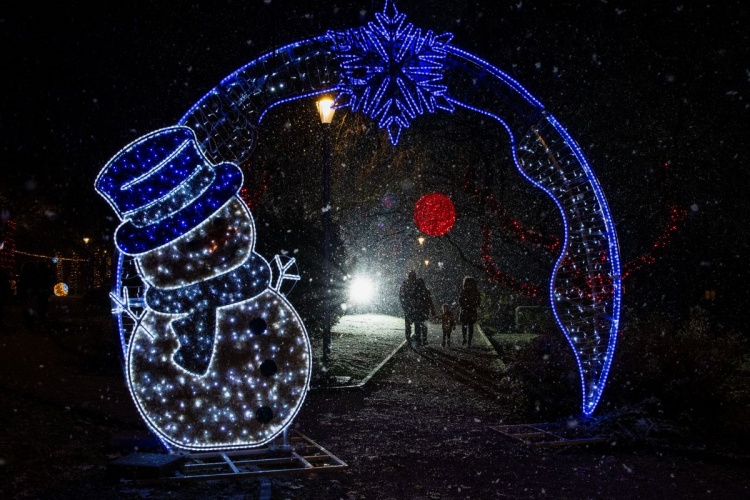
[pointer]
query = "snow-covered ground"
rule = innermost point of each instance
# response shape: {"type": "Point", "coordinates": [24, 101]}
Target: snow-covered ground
{"type": "Point", "coordinates": [359, 344]}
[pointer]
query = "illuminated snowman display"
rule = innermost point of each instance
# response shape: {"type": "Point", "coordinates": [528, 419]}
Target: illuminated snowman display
{"type": "Point", "coordinates": [218, 358]}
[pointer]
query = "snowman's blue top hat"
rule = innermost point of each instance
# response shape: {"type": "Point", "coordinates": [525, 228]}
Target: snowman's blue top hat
{"type": "Point", "coordinates": [162, 186]}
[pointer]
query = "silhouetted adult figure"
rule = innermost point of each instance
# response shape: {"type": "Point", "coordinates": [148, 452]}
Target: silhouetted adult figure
{"type": "Point", "coordinates": [425, 308]}
{"type": "Point", "coordinates": [468, 300]}
{"type": "Point", "coordinates": [407, 298]}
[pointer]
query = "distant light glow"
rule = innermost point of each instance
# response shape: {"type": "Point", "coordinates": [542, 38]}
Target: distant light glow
{"type": "Point", "coordinates": [362, 290]}
{"type": "Point", "coordinates": [60, 289]}
{"type": "Point", "coordinates": [325, 109]}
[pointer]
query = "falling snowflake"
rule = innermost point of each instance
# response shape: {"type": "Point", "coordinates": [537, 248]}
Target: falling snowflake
{"type": "Point", "coordinates": [390, 71]}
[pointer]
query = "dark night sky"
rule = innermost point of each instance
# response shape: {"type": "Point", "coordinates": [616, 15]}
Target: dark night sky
{"type": "Point", "coordinates": [649, 89]}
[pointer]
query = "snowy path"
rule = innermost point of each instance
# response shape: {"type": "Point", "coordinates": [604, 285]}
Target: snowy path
{"type": "Point", "coordinates": [361, 343]}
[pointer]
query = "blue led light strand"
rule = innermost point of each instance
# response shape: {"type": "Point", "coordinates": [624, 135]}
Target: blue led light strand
{"type": "Point", "coordinates": [389, 70]}
{"type": "Point", "coordinates": [216, 357]}
{"type": "Point", "coordinates": [593, 363]}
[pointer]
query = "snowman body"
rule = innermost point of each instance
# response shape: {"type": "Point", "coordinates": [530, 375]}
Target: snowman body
{"type": "Point", "coordinates": [218, 358]}
{"type": "Point", "coordinates": [251, 392]}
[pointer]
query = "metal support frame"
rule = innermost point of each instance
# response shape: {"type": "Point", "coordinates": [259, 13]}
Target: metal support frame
{"type": "Point", "coordinates": [538, 435]}
{"type": "Point", "coordinates": [295, 455]}
{"type": "Point", "coordinates": [326, 248]}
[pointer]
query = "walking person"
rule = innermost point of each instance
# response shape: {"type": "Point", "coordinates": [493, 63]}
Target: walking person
{"type": "Point", "coordinates": [468, 300]}
{"type": "Point", "coordinates": [448, 323]}
{"type": "Point", "coordinates": [425, 308]}
{"type": "Point", "coordinates": [407, 297]}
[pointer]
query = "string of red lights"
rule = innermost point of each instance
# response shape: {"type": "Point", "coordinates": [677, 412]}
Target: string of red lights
{"type": "Point", "coordinates": [489, 204]}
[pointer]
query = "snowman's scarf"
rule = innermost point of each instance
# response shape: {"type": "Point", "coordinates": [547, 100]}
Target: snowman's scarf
{"type": "Point", "coordinates": [197, 330]}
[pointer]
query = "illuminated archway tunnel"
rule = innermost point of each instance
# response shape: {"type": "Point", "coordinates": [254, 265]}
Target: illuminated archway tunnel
{"type": "Point", "coordinates": [394, 73]}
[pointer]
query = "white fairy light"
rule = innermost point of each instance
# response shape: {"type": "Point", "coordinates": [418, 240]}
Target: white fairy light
{"type": "Point", "coordinates": [187, 336]}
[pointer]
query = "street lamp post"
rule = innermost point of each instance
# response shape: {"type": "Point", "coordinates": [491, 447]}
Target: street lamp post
{"type": "Point", "coordinates": [421, 240]}
{"type": "Point", "coordinates": [326, 117]}
{"type": "Point", "coordinates": [85, 274]}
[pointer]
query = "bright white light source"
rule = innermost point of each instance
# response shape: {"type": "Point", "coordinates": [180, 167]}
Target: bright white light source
{"type": "Point", "coordinates": [361, 290]}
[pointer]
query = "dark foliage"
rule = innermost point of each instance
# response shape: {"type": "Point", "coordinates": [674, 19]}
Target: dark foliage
{"type": "Point", "coordinates": [542, 376]}
{"type": "Point", "coordinates": [692, 370]}
{"type": "Point", "coordinates": [670, 381]}
{"type": "Point", "coordinates": [290, 237]}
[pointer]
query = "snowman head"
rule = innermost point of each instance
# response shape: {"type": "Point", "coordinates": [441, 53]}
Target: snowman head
{"type": "Point", "coordinates": [162, 186]}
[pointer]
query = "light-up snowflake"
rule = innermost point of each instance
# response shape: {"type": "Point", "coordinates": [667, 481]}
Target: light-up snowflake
{"type": "Point", "coordinates": [390, 71]}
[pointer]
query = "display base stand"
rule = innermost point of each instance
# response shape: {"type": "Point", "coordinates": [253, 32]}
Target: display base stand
{"type": "Point", "coordinates": [542, 435]}
{"type": "Point", "coordinates": [295, 454]}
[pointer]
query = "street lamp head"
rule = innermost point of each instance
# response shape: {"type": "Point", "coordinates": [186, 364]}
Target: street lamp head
{"type": "Point", "coordinates": [325, 109]}
{"type": "Point", "coordinates": [421, 240]}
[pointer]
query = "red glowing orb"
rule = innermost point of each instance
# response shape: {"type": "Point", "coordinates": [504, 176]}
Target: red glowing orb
{"type": "Point", "coordinates": [434, 214]}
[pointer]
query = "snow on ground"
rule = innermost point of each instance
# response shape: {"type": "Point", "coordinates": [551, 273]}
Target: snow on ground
{"type": "Point", "coordinates": [359, 344]}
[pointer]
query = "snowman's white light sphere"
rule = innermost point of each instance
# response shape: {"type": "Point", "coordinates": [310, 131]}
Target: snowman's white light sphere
{"type": "Point", "coordinates": [254, 386]}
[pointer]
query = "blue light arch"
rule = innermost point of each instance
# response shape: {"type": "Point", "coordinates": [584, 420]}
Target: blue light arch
{"type": "Point", "coordinates": [394, 73]}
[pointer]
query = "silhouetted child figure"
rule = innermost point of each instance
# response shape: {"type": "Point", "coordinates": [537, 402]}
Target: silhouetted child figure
{"type": "Point", "coordinates": [449, 324]}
